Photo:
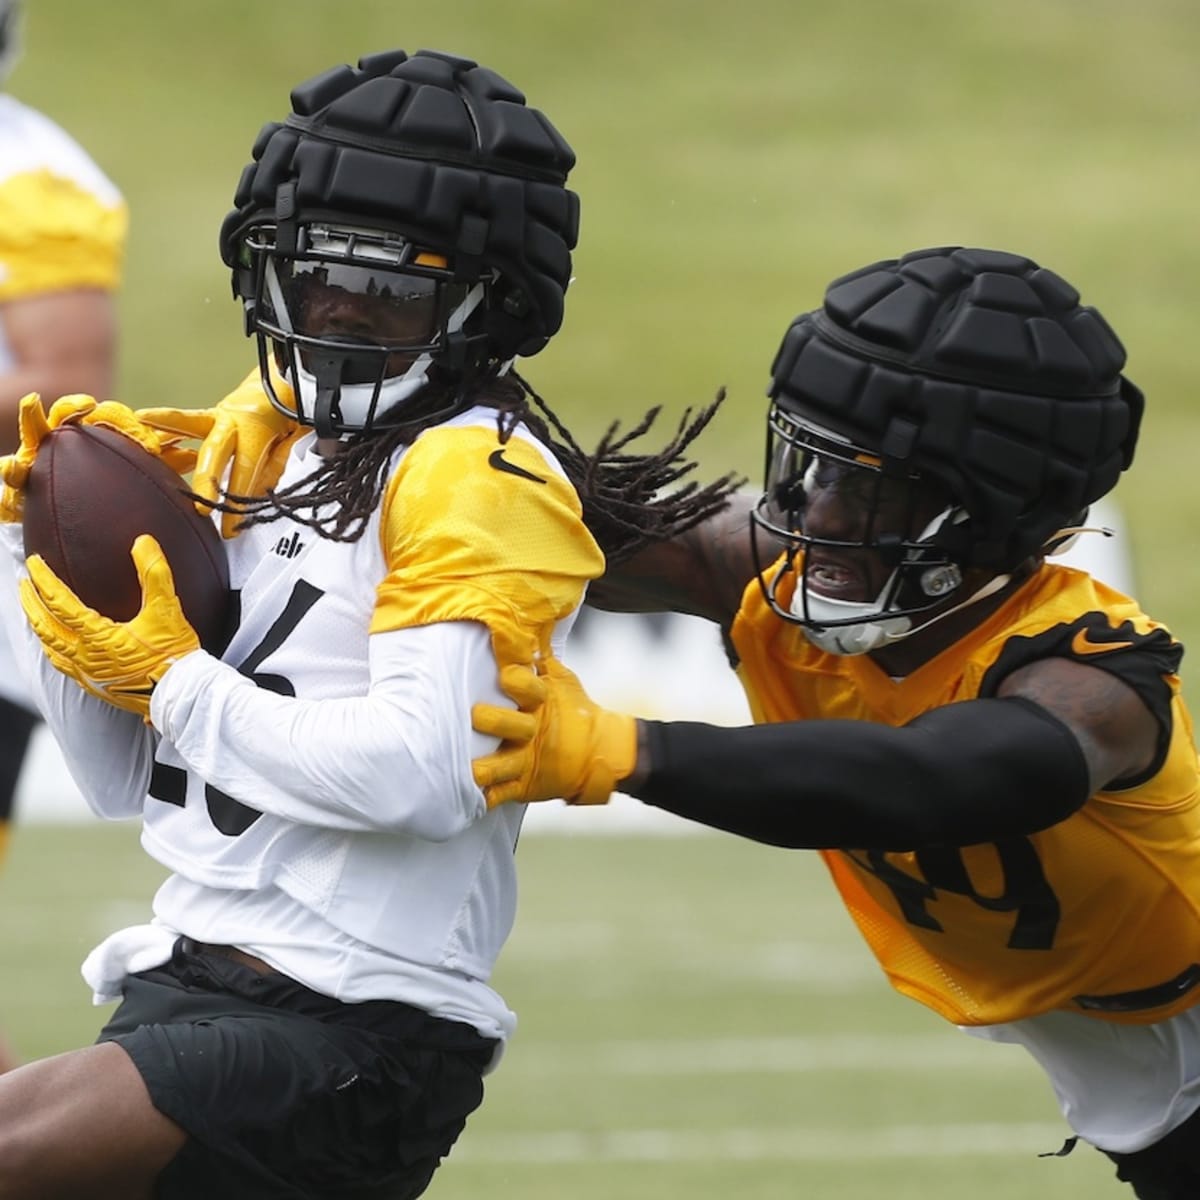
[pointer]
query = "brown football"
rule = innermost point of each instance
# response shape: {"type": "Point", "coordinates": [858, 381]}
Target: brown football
{"type": "Point", "coordinates": [91, 492]}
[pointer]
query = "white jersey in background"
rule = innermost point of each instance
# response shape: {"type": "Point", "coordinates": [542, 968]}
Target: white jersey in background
{"type": "Point", "coordinates": [62, 227]}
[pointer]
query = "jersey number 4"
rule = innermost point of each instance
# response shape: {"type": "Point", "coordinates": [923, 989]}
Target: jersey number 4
{"type": "Point", "coordinates": [1026, 891]}
{"type": "Point", "coordinates": [231, 817]}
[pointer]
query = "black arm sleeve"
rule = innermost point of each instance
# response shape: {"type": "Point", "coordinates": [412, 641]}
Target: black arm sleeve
{"type": "Point", "coordinates": [970, 772]}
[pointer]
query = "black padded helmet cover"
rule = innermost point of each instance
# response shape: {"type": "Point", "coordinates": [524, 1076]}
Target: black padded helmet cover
{"type": "Point", "coordinates": [981, 369]}
{"type": "Point", "coordinates": [437, 149]}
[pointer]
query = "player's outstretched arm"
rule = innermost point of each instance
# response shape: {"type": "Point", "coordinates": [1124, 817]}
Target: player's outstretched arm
{"type": "Point", "coordinates": [557, 744]}
{"type": "Point", "coordinates": [964, 773]}
{"type": "Point", "coordinates": [702, 572]}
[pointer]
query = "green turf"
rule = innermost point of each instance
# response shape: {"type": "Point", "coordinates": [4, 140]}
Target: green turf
{"type": "Point", "coordinates": [732, 159]}
{"type": "Point", "coordinates": [697, 1020]}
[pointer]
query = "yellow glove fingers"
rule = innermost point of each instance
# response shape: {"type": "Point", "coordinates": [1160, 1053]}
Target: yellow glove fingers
{"type": "Point", "coordinates": [123, 420]}
{"type": "Point", "coordinates": [504, 793]}
{"type": "Point", "coordinates": [506, 765]}
{"type": "Point", "coordinates": [57, 639]}
{"type": "Point", "coordinates": [57, 642]}
{"type": "Point", "coordinates": [119, 661]}
{"type": "Point", "coordinates": [67, 409]}
{"type": "Point", "coordinates": [179, 422]}
{"type": "Point", "coordinates": [31, 421]}
{"type": "Point", "coordinates": [220, 445]}
{"type": "Point", "coordinates": [247, 468]}
{"type": "Point", "coordinates": [33, 426]}
{"type": "Point", "coordinates": [507, 724]}
{"type": "Point", "coordinates": [561, 744]}
{"type": "Point", "coordinates": [55, 594]}
{"type": "Point", "coordinates": [14, 470]}
{"type": "Point", "coordinates": [521, 685]}
{"type": "Point", "coordinates": [181, 460]}
{"type": "Point", "coordinates": [31, 418]}
{"type": "Point", "coordinates": [12, 502]}
{"type": "Point", "coordinates": [153, 571]}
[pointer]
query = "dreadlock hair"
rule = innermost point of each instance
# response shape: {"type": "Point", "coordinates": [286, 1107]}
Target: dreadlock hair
{"type": "Point", "coordinates": [629, 500]}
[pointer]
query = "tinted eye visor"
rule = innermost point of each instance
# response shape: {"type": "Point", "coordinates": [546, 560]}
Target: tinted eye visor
{"type": "Point", "coordinates": [375, 306]}
{"type": "Point", "coordinates": [804, 465]}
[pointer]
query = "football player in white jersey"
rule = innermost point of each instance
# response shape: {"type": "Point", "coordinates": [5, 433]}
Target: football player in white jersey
{"type": "Point", "coordinates": [62, 235]}
{"type": "Point", "coordinates": [309, 1013]}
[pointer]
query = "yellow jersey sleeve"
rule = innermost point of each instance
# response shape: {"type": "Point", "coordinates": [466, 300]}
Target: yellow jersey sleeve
{"type": "Point", "coordinates": [478, 530]}
{"type": "Point", "coordinates": [56, 235]}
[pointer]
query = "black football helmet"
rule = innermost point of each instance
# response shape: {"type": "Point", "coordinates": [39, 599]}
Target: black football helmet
{"type": "Point", "coordinates": [408, 223]}
{"type": "Point", "coordinates": [973, 391]}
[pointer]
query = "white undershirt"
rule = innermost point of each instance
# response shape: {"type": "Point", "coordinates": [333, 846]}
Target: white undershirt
{"type": "Point", "coordinates": [1120, 1087]}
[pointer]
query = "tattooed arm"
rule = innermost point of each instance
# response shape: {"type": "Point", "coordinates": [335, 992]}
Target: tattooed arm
{"type": "Point", "coordinates": [1114, 728]}
{"type": "Point", "coordinates": [702, 572]}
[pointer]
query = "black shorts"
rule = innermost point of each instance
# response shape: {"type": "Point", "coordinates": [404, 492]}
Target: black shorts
{"type": "Point", "coordinates": [289, 1094]}
{"type": "Point", "coordinates": [1168, 1170]}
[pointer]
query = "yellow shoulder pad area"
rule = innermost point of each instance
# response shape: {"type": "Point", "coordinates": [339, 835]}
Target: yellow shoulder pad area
{"type": "Point", "coordinates": [57, 236]}
{"type": "Point", "coordinates": [478, 530]}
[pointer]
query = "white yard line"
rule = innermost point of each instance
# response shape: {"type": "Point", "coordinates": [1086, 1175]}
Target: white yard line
{"type": "Point", "coordinates": [760, 1145]}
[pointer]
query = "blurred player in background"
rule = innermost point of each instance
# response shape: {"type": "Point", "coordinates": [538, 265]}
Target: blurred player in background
{"type": "Point", "coordinates": [62, 236]}
{"type": "Point", "coordinates": [309, 1013]}
{"type": "Point", "coordinates": [991, 750]}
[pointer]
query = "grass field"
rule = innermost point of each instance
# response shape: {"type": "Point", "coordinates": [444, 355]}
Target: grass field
{"type": "Point", "coordinates": [732, 160]}
{"type": "Point", "coordinates": [697, 1020]}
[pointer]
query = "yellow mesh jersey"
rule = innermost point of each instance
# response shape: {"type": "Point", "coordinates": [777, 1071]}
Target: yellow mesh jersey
{"type": "Point", "coordinates": [474, 530]}
{"type": "Point", "coordinates": [62, 222]}
{"type": "Point", "coordinates": [1099, 914]}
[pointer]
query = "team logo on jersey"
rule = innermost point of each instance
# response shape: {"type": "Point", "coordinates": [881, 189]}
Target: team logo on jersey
{"type": "Point", "coordinates": [496, 459]}
{"type": "Point", "coordinates": [1082, 644]}
{"type": "Point", "coordinates": [288, 547]}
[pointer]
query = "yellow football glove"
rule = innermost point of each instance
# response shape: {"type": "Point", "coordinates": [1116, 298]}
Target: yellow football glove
{"type": "Point", "coordinates": [560, 743]}
{"type": "Point", "coordinates": [118, 661]}
{"type": "Point", "coordinates": [35, 424]}
{"type": "Point", "coordinates": [244, 434]}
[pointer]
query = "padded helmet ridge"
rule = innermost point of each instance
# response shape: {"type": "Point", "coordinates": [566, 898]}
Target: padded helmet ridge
{"type": "Point", "coordinates": [981, 369]}
{"type": "Point", "coordinates": [436, 149]}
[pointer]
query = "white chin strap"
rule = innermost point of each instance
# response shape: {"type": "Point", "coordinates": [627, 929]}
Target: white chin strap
{"type": "Point", "coordinates": [876, 630]}
{"type": "Point", "coordinates": [354, 399]}
{"type": "Point", "coordinates": [869, 632]}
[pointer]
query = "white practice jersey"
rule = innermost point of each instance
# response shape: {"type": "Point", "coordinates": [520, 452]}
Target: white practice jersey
{"type": "Point", "coordinates": [311, 791]}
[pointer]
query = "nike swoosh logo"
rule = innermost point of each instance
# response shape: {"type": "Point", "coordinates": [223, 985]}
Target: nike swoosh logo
{"type": "Point", "coordinates": [496, 459]}
{"type": "Point", "coordinates": [1082, 644]}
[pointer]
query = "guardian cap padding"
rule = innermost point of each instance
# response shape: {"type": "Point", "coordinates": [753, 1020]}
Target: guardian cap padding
{"type": "Point", "coordinates": [438, 149]}
{"type": "Point", "coordinates": [981, 369]}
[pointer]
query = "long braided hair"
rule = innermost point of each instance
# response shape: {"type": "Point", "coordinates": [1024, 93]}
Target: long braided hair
{"type": "Point", "coordinates": [629, 499]}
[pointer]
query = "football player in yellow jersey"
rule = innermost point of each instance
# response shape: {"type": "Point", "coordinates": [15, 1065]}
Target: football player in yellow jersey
{"type": "Point", "coordinates": [309, 1012]}
{"type": "Point", "coordinates": [62, 234]}
{"type": "Point", "coordinates": [989, 750]}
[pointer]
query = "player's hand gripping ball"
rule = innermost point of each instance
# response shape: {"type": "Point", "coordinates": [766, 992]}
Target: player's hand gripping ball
{"type": "Point", "coordinates": [119, 661]}
{"type": "Point", "coordinates": [89, 493]}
